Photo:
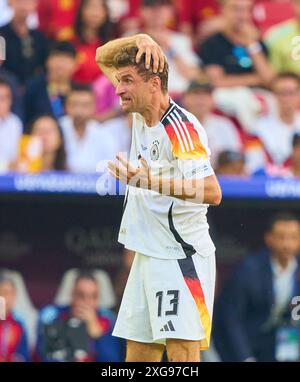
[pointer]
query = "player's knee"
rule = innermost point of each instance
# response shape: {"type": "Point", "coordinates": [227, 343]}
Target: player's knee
{"type": "Point", "coordinates": [135, 352]}
{"type": "Point", "coordinates": [183, 351]}
{"type": "Point", "coordinates": [138, 352]}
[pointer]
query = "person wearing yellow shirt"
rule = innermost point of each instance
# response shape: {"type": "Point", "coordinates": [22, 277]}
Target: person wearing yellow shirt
{"type": "Point", "coordinates": [283, 42]}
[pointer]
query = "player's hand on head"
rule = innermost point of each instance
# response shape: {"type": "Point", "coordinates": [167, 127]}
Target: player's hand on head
{"type": "Point", "coordinates": [146, 45]}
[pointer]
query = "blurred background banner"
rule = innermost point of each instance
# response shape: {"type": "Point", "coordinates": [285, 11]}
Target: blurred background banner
{"type": "Point", "coordinates": [259, 187]}
{"type": "Point", "coordinates": [82, 184]}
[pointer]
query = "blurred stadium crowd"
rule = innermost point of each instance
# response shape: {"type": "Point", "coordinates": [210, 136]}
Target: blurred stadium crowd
{"type": "Point", "coordinates": [235, 64]}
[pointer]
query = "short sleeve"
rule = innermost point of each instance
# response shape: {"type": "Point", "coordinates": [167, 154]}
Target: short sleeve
{"type": "Point", "coordinates": [189, 144]}
{"type": "Point", "coordinates": [195, 169]}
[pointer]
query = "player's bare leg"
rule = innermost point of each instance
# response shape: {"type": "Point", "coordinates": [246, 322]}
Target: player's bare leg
{"type": "Point", "coordinates": [183, 350]}
{"type": "Point", "coordinates": [141, 352]}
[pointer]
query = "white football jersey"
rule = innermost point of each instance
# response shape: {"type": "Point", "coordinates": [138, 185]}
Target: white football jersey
{"type": "Point", "coordinates": [162, 226]}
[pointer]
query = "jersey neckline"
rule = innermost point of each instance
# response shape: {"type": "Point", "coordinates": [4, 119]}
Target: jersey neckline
{"type": "Point", "coordinates": [169, 109]}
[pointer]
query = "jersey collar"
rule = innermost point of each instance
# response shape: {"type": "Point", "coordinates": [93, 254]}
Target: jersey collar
{"type": "Point", "coordinates": [169, 109]}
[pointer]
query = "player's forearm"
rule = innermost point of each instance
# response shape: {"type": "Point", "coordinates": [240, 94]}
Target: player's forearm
{"type": "Point", "coordinates": [106, 53]}
{"type": "Point", "coordinates": [263, 68]}
{"type": "Point", "coordinates": [251, 79]}
{"type": "Point", "coordinates": [205, 190]}
{"type": "Point", "coordinates": [219, 78]}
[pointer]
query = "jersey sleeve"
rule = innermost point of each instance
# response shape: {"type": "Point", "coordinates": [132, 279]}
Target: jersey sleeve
{"type": "Point", "coordinates": [195, 169]}
{"type": "Point", "coordinates": [188, 144]}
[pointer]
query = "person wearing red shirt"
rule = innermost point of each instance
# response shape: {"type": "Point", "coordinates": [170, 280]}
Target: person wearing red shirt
{"type": "Point", "coordinates": [57, 17]}
{"type": "Point", "coordinates": [13, 337]}
{"type": "Point", "coordinates": [191, 13]}
{"type": "Point", "coordinates": [92, 29]}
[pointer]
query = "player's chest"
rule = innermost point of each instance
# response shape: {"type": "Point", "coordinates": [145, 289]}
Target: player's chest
{"type": "Point", "coordinates": [155, 147]}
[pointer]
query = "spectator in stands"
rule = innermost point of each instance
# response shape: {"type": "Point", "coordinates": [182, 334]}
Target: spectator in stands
{"type": "Point", "coordinates": [14, 346]}
{"type": "Point", "coordinates": [53, 149]}
{"type": "Point", "coordinates": [236, 56]}
{"type": "Point", "coordinates": [79, 332]}
{"type": "Point", "coordinates": [26, 49]}
{"type": "Point", "coordinates": [183, 62]}
{"type": "Point", "coordinates": [16, 88]}
{"type": "Point", "coordinates": [275, 130]}
{"type": "Point", "coordinates": [87, 141]}
{"type": "Point", "coordinates": [92, 29]}
{"type": "Point", "coordinates": [198, 18]}
{"type": "Point", "coordinates": [10, 127]}
{"type": "Point", "coordinates": [107, 102]}
{"type": "Point", "coordinates": [46, 94]}
{"type": "Point", "coordinates": [57, 18]}
{"type": "Point", "coordinates": [253, 318]}
{"type": "Point", "coordinates": [6, 13]}
{"type": "Point", "coordinates": [221, 132]}
{"type": "Point", "coordinates": [283, 43]}
{"type": "Point", "coordinates": [126, 13]}
{"type": "Point", "coordinates": [235, 60]}
{"type": "Point", "coordinates": [294, 168]}
{"type": "Point", "coordinates": [231, 163]}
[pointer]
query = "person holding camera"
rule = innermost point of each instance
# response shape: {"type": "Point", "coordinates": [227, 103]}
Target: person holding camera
{"type": "Point", "coordinates": [80, 332]}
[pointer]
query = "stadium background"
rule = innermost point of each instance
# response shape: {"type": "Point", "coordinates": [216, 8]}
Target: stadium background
{"type": "Point", "coordinates": [50, 224]}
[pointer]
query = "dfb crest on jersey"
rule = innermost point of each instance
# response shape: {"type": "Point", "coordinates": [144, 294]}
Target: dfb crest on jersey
{"type": "Point", "coordinates": [154, 151]}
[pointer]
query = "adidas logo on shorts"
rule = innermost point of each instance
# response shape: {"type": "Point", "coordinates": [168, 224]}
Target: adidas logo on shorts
{"type": "Point", "coordinates": [168, 327]}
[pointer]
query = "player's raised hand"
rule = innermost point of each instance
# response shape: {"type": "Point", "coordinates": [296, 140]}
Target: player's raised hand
{"type": "Point", "coordinates": [126, 173]}
{"type": "Point", "coordinates": [144, 174]}
{"type": "Point", "coordinates": [146, 45]}
{"type": "Point", "coordinates": [122, 169]}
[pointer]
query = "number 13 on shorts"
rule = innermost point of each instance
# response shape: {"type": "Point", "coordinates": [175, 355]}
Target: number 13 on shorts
{"type": "Point", "coordinates": [171, 299]}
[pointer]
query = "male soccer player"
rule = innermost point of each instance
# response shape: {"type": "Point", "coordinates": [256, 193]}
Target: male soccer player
{"type": "Point", "coordinates": [168, 299]}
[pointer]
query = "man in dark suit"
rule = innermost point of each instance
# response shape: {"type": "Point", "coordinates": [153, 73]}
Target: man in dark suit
{"type": "Point", "coordinates": [26, 49]}
{"type": "Point", "coordinates": [47, 93]}
{"type": "Point", "coordinates": [253, 320]}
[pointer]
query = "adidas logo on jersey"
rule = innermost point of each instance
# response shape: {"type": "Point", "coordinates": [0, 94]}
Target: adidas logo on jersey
{"type": "Point", "coordinates": [168, 327]}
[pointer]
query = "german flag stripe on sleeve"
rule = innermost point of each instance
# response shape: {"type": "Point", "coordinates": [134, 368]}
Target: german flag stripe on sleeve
{"type": "Point", "coordinates": [183, 135]}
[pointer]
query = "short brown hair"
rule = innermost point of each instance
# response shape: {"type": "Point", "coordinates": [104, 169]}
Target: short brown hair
{"type": "Point", "coordinates": [286, 75]}
{"type": "Point", "coordinates": [126, 57]}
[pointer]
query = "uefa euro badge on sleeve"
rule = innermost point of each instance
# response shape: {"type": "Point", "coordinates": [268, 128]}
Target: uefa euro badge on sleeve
{"type": "Point", "coordinates": [287, 347]}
